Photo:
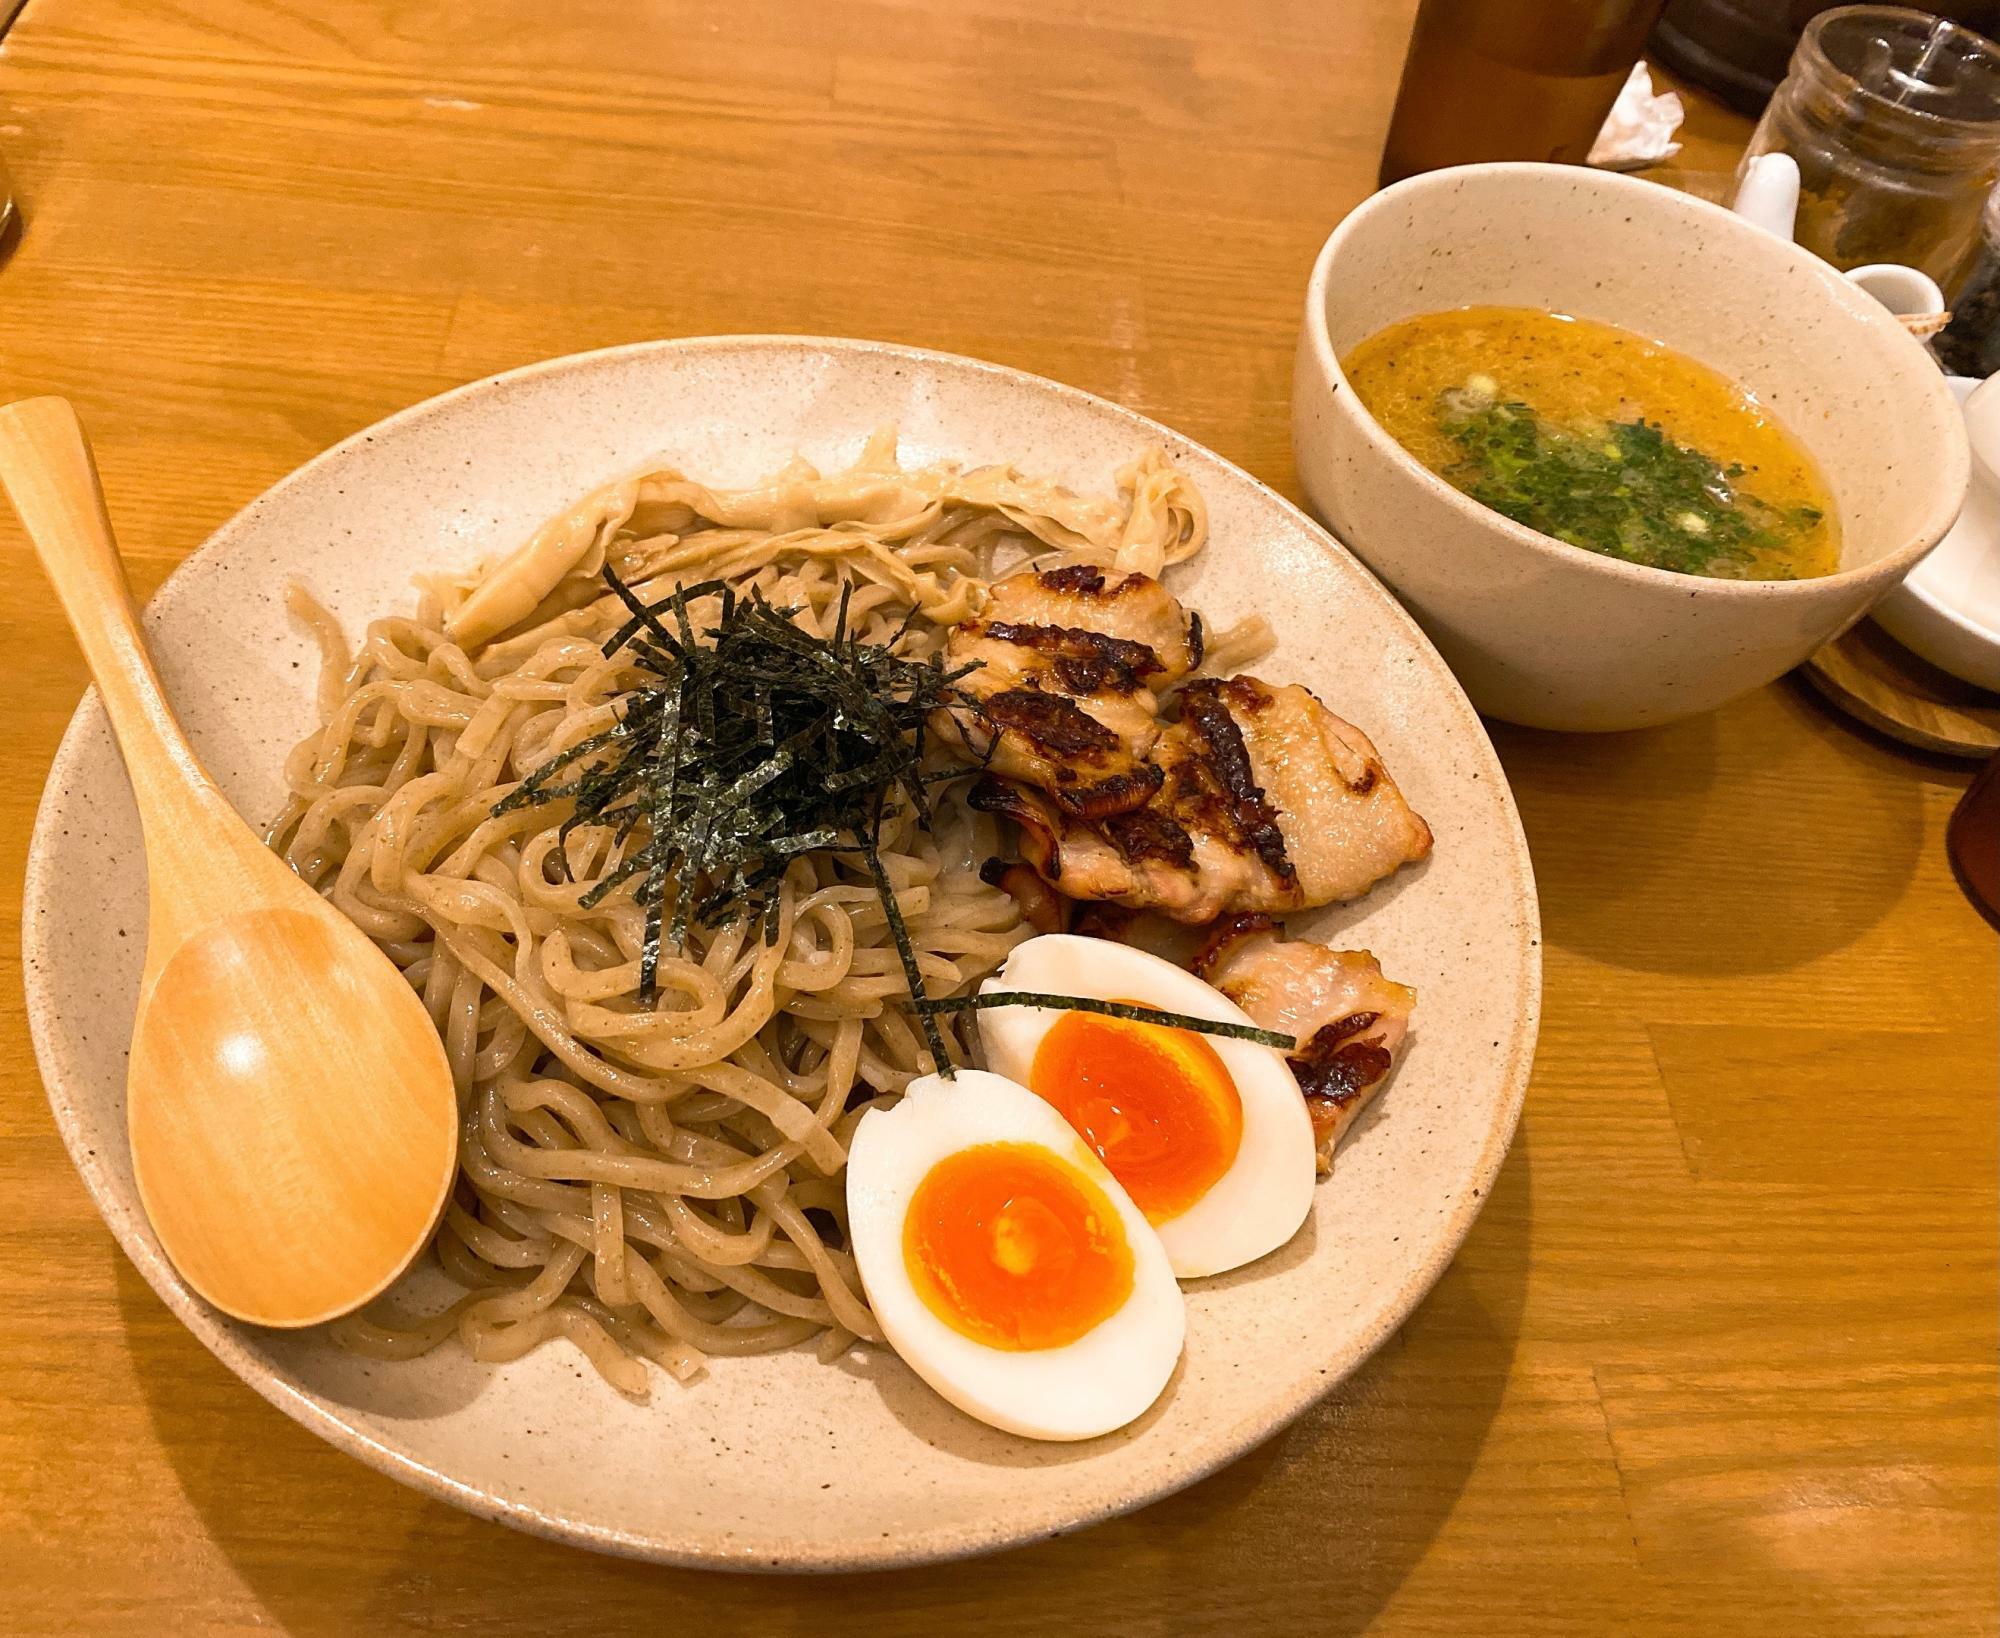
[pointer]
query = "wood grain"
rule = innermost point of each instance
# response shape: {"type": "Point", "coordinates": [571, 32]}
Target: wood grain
{"type": "Point", "coordinates": [1719, 1355]}
{"type": "Point", "coordinates": [1871, 676]}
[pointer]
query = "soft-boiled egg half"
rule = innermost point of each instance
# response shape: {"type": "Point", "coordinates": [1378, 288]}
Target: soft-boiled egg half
{"type": "Point", "coordinates": [1209, 1135]}
{"type": "Point", "coordinates": [1005, 1264]}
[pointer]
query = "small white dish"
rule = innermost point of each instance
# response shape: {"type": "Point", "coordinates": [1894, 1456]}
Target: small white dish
{"type": "Point", "coordinates": [1948, 609]}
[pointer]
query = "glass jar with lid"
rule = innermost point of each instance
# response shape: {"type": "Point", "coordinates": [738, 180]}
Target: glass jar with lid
{"type": "Point", "coordinates": [1894, 119]}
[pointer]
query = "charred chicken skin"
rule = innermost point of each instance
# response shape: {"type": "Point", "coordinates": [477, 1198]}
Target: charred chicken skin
{"type": "Point", "coordinates": [1347, 1019]}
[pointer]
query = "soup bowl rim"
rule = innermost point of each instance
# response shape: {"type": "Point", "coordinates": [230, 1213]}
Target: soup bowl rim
{"type": "Point", "coordinates": [1947, 496]}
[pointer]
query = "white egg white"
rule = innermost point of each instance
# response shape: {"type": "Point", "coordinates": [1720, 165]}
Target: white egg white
{"type": "Point", "coordinates": [1101, 1381]}
{"type": "Point", "coordinates": [1260, 1201]}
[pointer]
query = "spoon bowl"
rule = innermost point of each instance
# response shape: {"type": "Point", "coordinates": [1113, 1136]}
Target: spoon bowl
{"type": "Point", "coordinates": [292, 1117]}
{"type": "Point", "coordinates": [274, 996]}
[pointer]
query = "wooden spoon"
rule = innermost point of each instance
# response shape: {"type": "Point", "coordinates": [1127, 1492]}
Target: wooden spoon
{"type": "Point", "coordinates": [291, 1113]}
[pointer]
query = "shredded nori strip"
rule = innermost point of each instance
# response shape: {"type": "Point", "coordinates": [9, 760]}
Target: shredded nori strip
{"type": "Point", "coordinates": [751, 749]}
{"type": "Point", "coordinates": [752, 743]}
{"type": "Point", "coordinates": [1112, 1009]}
{"type": "Point", "coordinates": [926, 1013]}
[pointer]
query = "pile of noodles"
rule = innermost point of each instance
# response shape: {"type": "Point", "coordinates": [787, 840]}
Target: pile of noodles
{"type": "Point", "coordinates": [663, 1182]}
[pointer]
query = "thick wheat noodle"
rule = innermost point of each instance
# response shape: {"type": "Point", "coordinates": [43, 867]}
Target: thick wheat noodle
{"type": "Point", "coordinates": [661, 1182]}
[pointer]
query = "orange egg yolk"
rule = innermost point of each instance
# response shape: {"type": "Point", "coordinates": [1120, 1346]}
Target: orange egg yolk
{"type": "Point", "coordinates": [1155, 1103]}
{"type": "Point", "coordinates": [1010, 1245]}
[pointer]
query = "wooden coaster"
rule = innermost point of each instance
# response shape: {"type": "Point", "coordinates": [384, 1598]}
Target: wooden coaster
{"type": "Point", "coordinates": [1870, 675]}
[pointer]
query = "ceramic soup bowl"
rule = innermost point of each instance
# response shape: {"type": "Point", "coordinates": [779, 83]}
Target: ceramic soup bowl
{"type": "Point", "coordinates": [1550, 635]}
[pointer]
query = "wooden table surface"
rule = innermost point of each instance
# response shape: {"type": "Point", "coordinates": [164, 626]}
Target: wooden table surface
{"type": "Point", "coordinates": [1720, 1354]}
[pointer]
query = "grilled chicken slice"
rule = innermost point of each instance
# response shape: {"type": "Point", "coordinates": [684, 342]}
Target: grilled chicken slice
{"type": "Point", "coordinates": [1074, 857]}
{"type": "Point", "coordinates": [1266, 802]}
{"type": "Point", "coordinates": [1127, 608]}
{"type": "Point", "coordinates": [1066, 694]}
{"type": "Point", "coordinates": [1344, 822]}
{"type": "Point", "coordinates": [1347, 1019]}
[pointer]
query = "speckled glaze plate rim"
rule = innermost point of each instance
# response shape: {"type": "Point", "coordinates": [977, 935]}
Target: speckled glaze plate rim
{"type": "Point", "coordinates": [694, 1549]}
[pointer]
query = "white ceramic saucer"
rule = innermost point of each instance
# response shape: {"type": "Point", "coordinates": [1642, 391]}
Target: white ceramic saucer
{"type": "Point", "coordinates": [1948, 608]}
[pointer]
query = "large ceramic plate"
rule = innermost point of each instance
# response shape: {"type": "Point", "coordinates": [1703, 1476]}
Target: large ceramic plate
{"type": "Point", "coordinates": [783, 1462]}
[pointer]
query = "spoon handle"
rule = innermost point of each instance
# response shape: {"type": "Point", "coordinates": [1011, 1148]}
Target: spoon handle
{"type": "Point", "coordinates": [47, 471]}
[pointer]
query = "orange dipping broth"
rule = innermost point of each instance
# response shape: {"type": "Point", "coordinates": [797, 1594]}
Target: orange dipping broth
{"type": "Point", "coordinates": [1012, 1246]}
{"type": "Point", "coordinates": [1581, 376]}
{"type": "Point", "coordinates": [1156, 1103]}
